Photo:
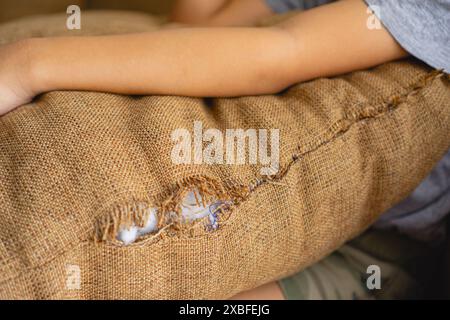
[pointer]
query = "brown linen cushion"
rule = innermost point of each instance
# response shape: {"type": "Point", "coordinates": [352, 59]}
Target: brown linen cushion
{"type": "Point", "coordinates": [76, 166]}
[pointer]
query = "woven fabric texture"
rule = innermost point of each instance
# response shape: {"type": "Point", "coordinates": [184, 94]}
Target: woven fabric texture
{"type": "Point", "coordinates": [76, 165]}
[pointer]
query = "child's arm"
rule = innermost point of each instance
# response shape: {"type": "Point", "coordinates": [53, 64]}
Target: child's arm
{"type": "Point", "coordinates": [220, 12]}
{"type": "Point", "coordinates": [195, 11]}
{"type": "Point", "coordinates": [325, 41]}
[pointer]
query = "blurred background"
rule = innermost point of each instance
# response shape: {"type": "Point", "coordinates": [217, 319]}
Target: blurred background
{"type": "Point", "coordinates": [12, 9]}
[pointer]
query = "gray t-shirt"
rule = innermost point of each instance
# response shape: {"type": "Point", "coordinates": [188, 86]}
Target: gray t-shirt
{"type": "Point", "coordinates": [422, 27]}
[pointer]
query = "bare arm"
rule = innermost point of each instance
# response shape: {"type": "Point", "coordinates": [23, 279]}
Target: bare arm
{"type": "Point", "coordinates": [195, 11]}
{"type": "Point", "coordinates": [325, 41]}
{"type": "Point", "coordinates": [220, 12]}
{"type": "Point", "coordinates": [269, 291]}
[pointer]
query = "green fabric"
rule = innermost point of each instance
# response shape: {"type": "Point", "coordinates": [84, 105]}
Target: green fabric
{"type": "Point", "coordinates": [405, 265]}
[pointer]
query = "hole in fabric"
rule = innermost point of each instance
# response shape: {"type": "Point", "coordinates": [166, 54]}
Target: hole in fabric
{"type": "Point", "coordinates": [130, 234]}
{"type": "Point", "coordinates": [192, 208]}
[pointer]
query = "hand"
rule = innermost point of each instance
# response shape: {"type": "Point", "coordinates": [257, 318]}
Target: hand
{"type": "Point", "coordinates": [15, 80]}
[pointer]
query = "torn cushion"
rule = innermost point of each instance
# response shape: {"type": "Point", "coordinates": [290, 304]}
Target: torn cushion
{"type": "Point", "coordinates": [78, 168]}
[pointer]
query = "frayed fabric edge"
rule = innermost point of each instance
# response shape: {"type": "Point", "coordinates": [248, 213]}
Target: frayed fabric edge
{"type": "Point", "coordinates": [208, 192]}
{"type": "Point", "coordinates": [211, 191]}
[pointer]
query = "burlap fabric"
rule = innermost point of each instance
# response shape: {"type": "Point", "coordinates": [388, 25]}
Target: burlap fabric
{"type": "Point", "coordinates": [75, 165]}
